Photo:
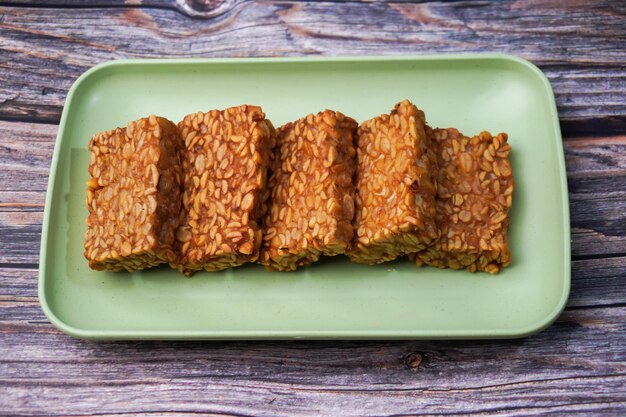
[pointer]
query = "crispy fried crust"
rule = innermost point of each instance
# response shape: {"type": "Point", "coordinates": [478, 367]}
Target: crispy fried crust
{"type": "Point", "coordinates": [225, 163]}
{"type": "Point", "coordinates": [474, 197]}
{"type": "Point", "coordinates": [395, 189]}
{"type": "Point", "coordinates": [312, 194]}
{"type": "Point", "coordinates": [133, 195]}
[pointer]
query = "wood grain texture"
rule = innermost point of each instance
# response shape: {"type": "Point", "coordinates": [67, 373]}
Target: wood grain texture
{"type": "Point", "coordinates": [204, 9]}
{"type": "Point", "coordinates": [580, 49]}
{"type": "Point", "coordinates": [558, 371]}
{"type": "Point", "coordinates": [596, 170]}
{"type": "Point", "coordinates": [575, 367]}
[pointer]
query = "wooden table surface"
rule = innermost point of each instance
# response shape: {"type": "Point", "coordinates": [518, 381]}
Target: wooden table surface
{"type": "Point", "coordinates": [576, 367]}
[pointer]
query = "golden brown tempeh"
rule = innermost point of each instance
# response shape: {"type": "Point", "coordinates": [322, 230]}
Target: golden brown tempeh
{"type": "Point", "coordinates": [133, 195]}
{"type": "Point", "coordinates": [312, 195]}
{"type": "Point", "coordinates": [473, 200]}
{"type": "Point", "coordinates": [395, 193]}
{"type": "Point", "coordinates": [225, 163]}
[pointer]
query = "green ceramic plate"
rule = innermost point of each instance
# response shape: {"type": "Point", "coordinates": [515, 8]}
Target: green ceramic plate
{"type": "Point", "coordinates": [334, 298]}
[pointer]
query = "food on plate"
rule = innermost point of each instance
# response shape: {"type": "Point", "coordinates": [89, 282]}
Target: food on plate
{"type": "Point", "coordinates": [395, 188]}
{"type": "Point", "coordinates": [224, 160]}
{"type": "Point", "coordinates": [133, 195]}
{"type": "Point", "coordinates": [312, 193]}
{"type": "Point", "coordinates": [474, 195]}
{"type": "Point", "coordinates": [197, 195]}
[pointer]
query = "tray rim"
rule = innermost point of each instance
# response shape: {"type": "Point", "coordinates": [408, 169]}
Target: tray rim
{"type": "Point", "coordinates": [524, 331]}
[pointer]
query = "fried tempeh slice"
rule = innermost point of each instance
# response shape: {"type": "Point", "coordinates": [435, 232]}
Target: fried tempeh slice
{"type": "Point", "coordinates": [133, 195]}
{"type": "Point", "coordinates": [395, 189]}
{"type": "Point", "coordinates": [473, 200]}
{"type": "Point", "coordinates": [225, 163]}
{"type": "Point", "coordinates": [312, 194]}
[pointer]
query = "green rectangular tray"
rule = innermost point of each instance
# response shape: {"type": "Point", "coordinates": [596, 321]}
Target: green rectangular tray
{"type": "Point", "coordinates": [333, 298]}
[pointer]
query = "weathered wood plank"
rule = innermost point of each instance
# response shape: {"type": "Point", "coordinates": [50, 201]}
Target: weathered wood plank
{"type": "Point", "coordinates": [575, 396]}
{"type": "Point", "coordinates": [204, 9]}
{"type": "Point", "coordinates": [558, 371]}
{"type": "Point", "coordinates": [596, 174]}
{"type": "Point", "coordinates": [598, 282]}
{"type": "Point", "coordinates": [43, 53]}
{"type": "Point", "coordinates": [594, 156]}
{"type": "Point", "coordinates": [20, 235]}
{"type": "Point", "coordinates": [576, 367]}
{"type": "Point", "coordinates": [595, 282]}
{"type": "Point", "coordinates": [597, 230]}
{"type": "Point", "coordinates": [25, 155]}
{"type": "Point", "coordinates": [597, 189]}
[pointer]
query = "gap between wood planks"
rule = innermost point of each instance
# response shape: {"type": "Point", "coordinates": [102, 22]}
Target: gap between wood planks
{"type": "Point", "coordinates": [570, 128]}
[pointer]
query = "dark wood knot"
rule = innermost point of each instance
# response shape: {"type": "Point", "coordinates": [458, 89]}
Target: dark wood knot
{"type": "Point", "coordinates": [413, 360]}
{"type": "Point", "coordinates": [206, 8]}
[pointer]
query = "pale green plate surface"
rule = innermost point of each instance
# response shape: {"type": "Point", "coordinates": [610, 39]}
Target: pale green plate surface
{"type": "Point", "coordinates": [334, 298]}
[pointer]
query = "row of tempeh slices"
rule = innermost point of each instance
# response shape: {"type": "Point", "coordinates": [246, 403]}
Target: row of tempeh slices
{"type": "Point", "coordinates": [224, 188]}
